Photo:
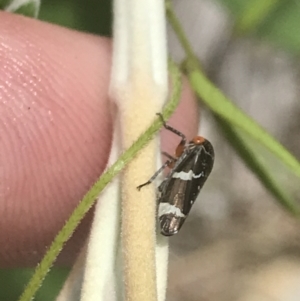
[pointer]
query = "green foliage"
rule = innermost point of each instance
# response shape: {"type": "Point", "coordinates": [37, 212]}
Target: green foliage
{"type": "Point", "coordinates": [4, 3]}
{"type": "Point", "coordinates": [88, 15]}
{"type": "Point", "coordinates": [275, 21]}
{"type": "Point", "coordinates": [28, 9]}
{"type": "Point", "coordinates": [12, 283]}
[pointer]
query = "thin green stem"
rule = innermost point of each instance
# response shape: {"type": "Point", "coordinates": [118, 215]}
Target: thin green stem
{"type": "Point", "coordinates": [180, 32]}
{"type": "Point", "coordinates": [89, 199]}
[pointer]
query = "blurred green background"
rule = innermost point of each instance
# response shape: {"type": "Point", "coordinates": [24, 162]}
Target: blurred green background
{"type": "Point", "coordinates": [88, 15]}
{"type": "Point", "coordinates": [277, 22]}
{"type": "Point", "coordinates": [12, 282]}
{"type": "Point", "coordinates": [273, 20]}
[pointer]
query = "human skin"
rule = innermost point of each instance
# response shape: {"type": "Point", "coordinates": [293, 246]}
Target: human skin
{"type": "Point", "coordinates": [55, 132]}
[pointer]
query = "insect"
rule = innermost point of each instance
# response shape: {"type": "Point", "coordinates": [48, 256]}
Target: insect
{"type": "Point", "coordinates": [189, 170]}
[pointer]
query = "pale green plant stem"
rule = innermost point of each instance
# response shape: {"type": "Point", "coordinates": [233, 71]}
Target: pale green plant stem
{"type": "Point", "coordinates": [72, 287]}
{"type": "Point", "coordinates": [91, 278]}
{"type": "Point", "coordinates": [104, 237]}
{"type": "Point", "coordinates": [139, 88]}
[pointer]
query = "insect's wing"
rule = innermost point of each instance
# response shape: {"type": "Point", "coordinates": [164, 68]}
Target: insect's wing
{"type": "Point", "coordinates": [201, 169]}
{"type": "Point", "coordinates": [182, 186]}
{"type": "Point", "coordinates": [170, 210]}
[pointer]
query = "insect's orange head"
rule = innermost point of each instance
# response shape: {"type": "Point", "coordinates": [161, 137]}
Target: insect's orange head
{"type": "Point", "coordinates": [198, 140]}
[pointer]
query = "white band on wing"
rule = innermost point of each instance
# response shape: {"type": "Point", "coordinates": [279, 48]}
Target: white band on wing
{"type": "Point", "coordinates": [186, 176]}
{"type": "Point", "coordinates": [166, 208]}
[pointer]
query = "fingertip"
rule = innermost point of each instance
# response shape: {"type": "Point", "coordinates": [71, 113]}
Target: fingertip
{"type": "Point", "coordinates": [55, 129]}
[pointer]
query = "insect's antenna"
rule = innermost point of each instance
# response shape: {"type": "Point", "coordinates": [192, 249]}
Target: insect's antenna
{"type": "Point", "coordinates": [171, 129]}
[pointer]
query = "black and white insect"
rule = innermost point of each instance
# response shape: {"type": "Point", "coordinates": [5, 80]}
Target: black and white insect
{"type": "Point", "coordinates": [189, 170]}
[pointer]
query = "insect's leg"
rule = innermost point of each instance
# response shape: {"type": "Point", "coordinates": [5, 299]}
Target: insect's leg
{"type": "Point", "coordinates": [169, 156]}
{"type": "Point", "coordinates": [167, 163]}
{"type": "Point", "coordinates": [181, 146]}
{"type": "Point", "coordinates": [171, 129]}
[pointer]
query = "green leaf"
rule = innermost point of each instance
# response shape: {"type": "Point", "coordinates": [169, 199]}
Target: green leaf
{"type": "Point", "coordinates": [254, 14]}
{"type": "Point", "coordinates": [29, 8]}
{"type": "Point", "coordinates": [272, 20]}
{"type": "Point", "coordinates": [4, 3]}
{"type": "Point", "coordinates": [12, 283]}
{"type": "Point", "coordinates": [88, 15]}
{"type": "Point", "coordinates": [282, 26]}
